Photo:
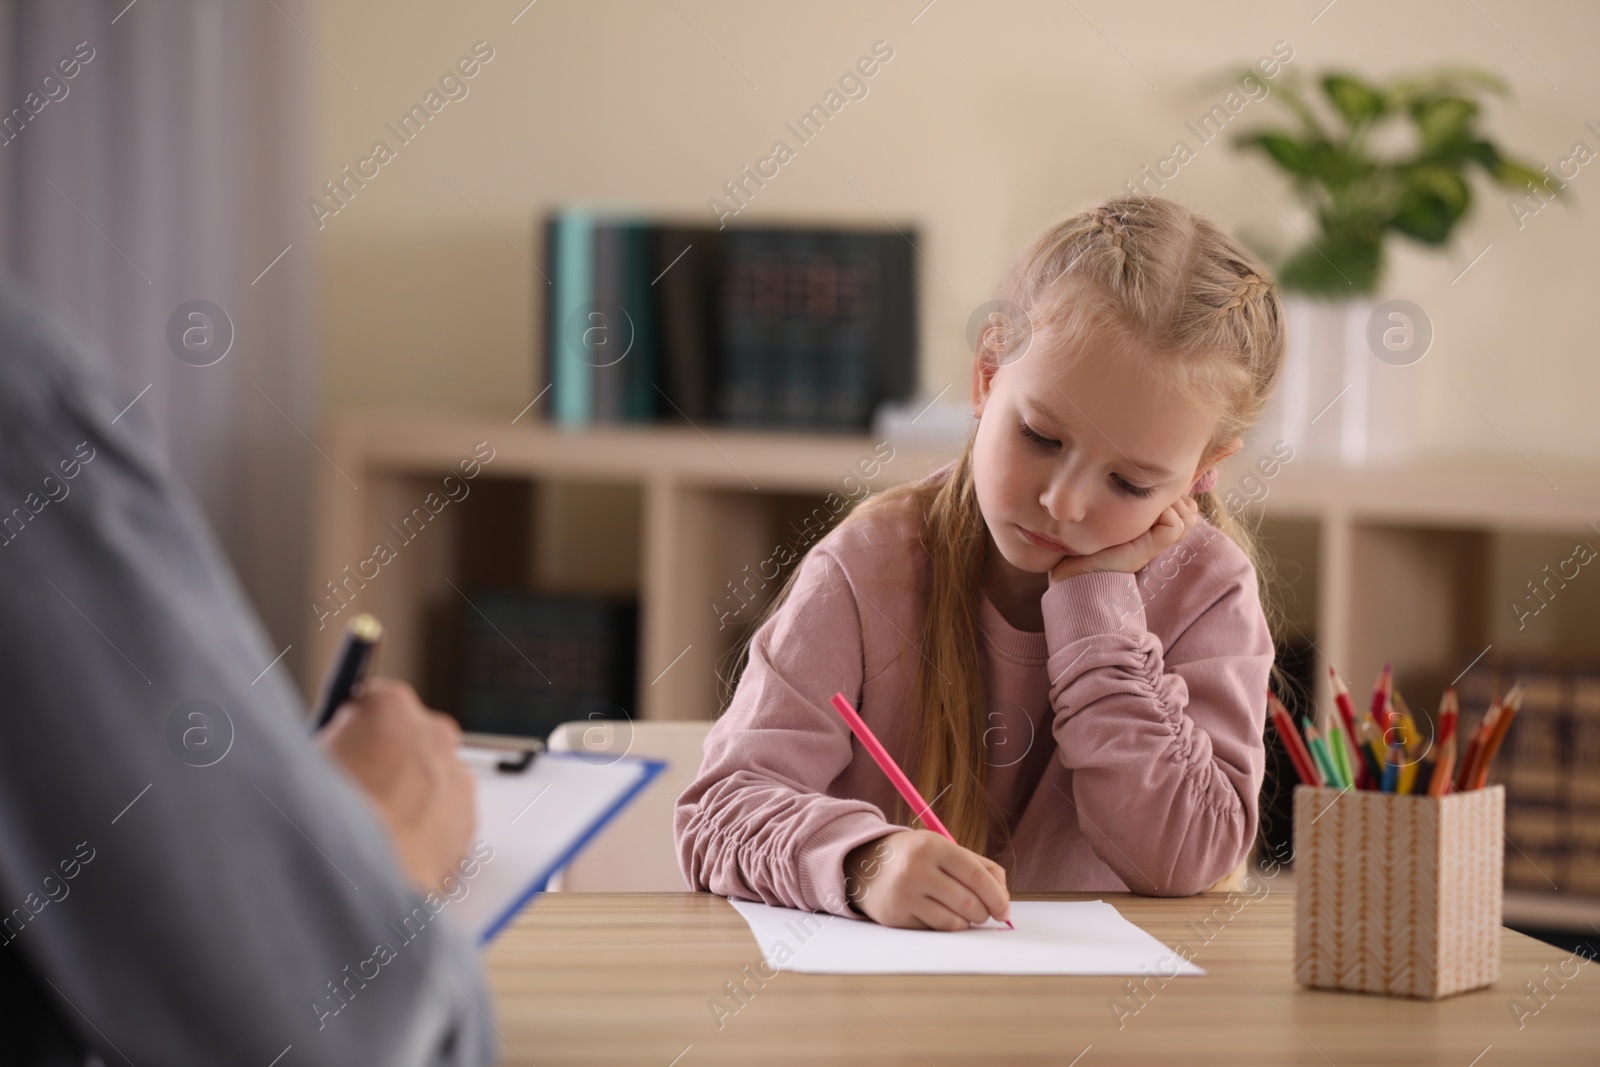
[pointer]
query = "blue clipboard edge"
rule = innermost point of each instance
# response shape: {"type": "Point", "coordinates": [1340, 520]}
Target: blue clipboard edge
{"type": "Point", "coordinates": [649, 768]}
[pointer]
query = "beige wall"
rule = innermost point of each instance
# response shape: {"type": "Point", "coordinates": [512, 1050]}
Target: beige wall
{"type": "Point", "coordinates": [991, 121]}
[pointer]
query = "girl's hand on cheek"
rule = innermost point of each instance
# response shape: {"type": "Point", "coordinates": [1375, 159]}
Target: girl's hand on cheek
{"type": "Point", "coordinates": [1170, 527]}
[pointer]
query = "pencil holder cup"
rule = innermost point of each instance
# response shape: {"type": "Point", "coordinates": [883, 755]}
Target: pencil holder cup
{"type": "Point", "coordinates": [1398, 894]}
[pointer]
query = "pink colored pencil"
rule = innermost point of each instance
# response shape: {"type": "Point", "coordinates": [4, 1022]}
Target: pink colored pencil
{"type": "Point", "coordinates": [897, 777]}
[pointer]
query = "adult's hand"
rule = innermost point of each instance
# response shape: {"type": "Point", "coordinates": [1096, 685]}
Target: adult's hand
{"type": "Point", "coordinates": [403, 756]}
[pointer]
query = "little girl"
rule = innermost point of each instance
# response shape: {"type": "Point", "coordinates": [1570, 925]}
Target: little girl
{"type": "Point", "coordinates": [1049, 634]}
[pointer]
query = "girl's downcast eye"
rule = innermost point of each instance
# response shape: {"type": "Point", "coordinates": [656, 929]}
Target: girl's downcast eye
{"type": "Point", "coordinates": [1118, 480]}
{"type": "Point", "coordinates": [1128, 487]}
{"type": "Point", "coordinates": [1036, 438]}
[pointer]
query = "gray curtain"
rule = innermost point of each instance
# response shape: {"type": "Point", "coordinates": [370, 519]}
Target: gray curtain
{"type": "Point", "coordinates": [173, 165]}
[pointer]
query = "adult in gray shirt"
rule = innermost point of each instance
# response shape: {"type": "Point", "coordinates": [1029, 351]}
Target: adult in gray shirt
{"type": "Point", "coordinates": [186, 877]}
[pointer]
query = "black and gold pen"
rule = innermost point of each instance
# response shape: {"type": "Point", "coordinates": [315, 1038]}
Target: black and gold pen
{"type": "Point", "coordinates": [357, 650]}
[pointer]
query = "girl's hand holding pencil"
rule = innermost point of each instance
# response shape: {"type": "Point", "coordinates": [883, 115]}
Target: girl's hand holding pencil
{"type": "Point", "coordinates": [919, 879]}
{"type": "Point", "coordinates": [1383, 749]}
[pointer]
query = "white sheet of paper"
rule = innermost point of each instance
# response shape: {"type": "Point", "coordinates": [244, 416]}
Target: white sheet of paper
{"type": "Point", "coordinates": [535, 822]}
{"type": "Point", "coordinates": [1051, 937]}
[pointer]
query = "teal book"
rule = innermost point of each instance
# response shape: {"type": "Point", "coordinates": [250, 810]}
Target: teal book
{"type": "Point", "coordinates": [574, 281]}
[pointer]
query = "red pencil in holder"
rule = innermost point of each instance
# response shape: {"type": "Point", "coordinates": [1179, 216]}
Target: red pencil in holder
{"type": "Point", "coordinates": [1347, 714]}
{"type": "Point", "coordinates": [1299, 755]}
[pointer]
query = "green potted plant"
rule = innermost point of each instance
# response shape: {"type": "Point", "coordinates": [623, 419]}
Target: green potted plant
{"type": "Point", "coordinates": [1361, 189]}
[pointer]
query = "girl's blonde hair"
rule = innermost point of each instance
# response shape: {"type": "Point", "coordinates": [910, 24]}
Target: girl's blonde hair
{"type": "Point", "coordinates": [1186, 294]}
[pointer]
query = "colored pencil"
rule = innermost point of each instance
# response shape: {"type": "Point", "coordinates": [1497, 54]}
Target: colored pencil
{"type": "Point", "coordinates": [1322, 720]}
{"type": "Point", "coordinates": [1439, 784]}
{"type": "Point", "coordinates": [886, 763]}
{"type": "Point", "coordinates": [1347, 714]}
{"type": "Point", "coordinates": [1370, 718]}
{"type": "Point", "coordinates": [1320, 754]}
{"type": "Point", "coordinates": [1449, 716]}
{"type": "Point", "coordinates": [1469, 759]}
{"type": "Point", "coordinates": [1425, 772]}
{"type": "Point", "coordinates": [1391, 768]}
{"type": "Point", "coordinates": [1380, 700]}
{"type": "Point", "coordinates": [1408, 776]}
{"type": "Point", "coordinates": [1377, 748]}
{"type": "Point", "coordinates": [1299, 755]}
{"type": "Point", "coordinates": [1341, 755]}
{"type": "Point", "coordinates": [1491, 745]}
{"type": "Point", "coordinates": [1449, 711]}
{"type": "Point", "coordinates": [1371, 754]}
{"type": "Point", "coordinates": [1394, 730]}
{"type": "Point", "coordinates": [1406, 722]}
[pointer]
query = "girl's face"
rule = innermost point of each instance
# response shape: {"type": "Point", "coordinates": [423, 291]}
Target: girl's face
{"type": "Point", "coordinates": [1083, 452]}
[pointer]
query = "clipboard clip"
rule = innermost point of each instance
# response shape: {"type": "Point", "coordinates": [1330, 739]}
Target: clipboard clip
{"type": "Point", "coordinates": [518, 764]}
{"type": "Point", "coordinates": [509, 754]}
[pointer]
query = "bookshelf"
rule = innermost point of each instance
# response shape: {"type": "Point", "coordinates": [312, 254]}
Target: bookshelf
{"type": "Point", "coordinates": [1416, 564]}
{"type": "Point", "coordinates": [668, 514]}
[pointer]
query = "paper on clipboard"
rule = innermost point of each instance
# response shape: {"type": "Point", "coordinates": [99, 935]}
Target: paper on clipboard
{"type": "Point", "coordinates": [536, 821]}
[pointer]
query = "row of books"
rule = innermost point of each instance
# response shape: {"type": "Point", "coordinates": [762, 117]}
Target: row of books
{"type": "Point", "coordinates": [1547, 764]}
{"type": "Point", "coordinates": [762, 327]}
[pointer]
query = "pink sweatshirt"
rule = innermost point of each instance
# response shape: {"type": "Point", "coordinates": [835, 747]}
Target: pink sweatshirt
{"type": "Point", "coordinates": [1137, 768]}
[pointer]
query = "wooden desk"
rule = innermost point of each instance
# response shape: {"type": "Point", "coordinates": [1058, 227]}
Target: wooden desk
{"type": "Point", "coordinates": [620, 979]}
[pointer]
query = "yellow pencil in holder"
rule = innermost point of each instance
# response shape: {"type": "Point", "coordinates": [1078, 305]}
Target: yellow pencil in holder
{"type": "Point", "coordinates": [1398, 894]}
{"type": "Point", "coordinates": [1408, 776]}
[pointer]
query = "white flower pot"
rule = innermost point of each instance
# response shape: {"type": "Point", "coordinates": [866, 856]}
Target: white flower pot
{"type": "Point", "coordinates": [1337, 400]}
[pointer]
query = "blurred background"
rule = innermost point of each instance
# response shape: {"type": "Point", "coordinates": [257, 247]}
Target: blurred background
{"type": "Point", "coordinates": [513, 324]}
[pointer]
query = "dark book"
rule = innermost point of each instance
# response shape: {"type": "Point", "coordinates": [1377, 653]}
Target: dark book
{"type": "Point", "coordinates": [532, 661]}
{"type": "Point", "coordinates": [807, 309]}
{"type": "Point", "coordinates": [851, 336]}
{"type": "Point", "coordinates": [895, 331]}
{"type": "Point", "coordinates": [818, 327]}
{"type": "Point", "coordinates": [642, 363]}
{"type": "Point", "coordinates": [607, 336]}
{"type": "Point", "coordinates": [687, 266]}
{"type": "Point", "coordinates": [751, 296]}
{"type": "Point", "coordinates": [544, 385]}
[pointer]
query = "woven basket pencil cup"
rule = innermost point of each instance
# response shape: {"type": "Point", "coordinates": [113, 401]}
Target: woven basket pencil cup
{"type": "Point", "coordinates": [1398, 894]}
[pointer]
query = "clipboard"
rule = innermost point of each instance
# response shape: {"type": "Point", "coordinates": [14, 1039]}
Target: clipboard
{"type": "Point", "coordinates": [536, 810]}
